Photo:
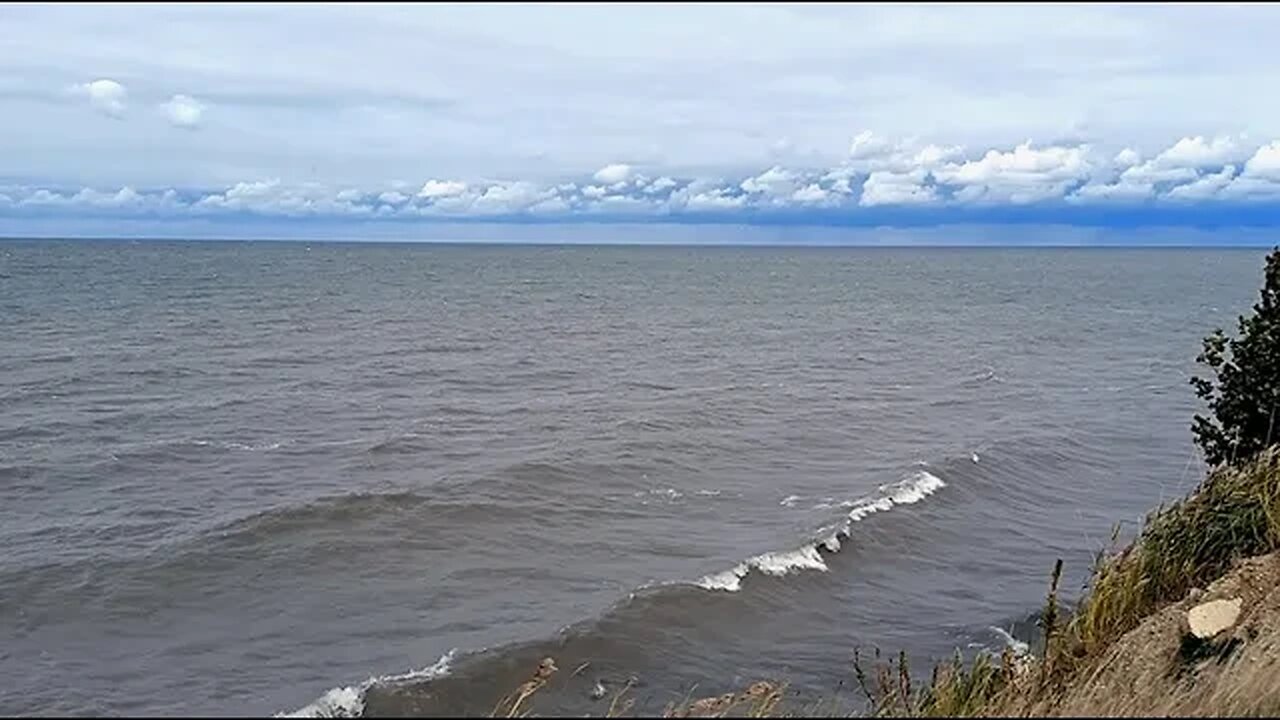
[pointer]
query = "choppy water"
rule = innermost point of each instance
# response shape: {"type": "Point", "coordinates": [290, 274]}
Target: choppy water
{"type": "Point", "coordinates": [234, 476]}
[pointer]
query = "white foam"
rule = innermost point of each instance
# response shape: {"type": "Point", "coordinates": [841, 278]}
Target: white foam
{"type": "Point", "coordinates": [832, 541]}
{"type": "Point", "coordinates": [730, 580]}
{"type": "Point", "coordinates": [915, 488]}
{"type": "Point", "coordinates": [343, 702]}
{"type": "Point", "coordinates": [1020, 648]}
{"type": "Point", "coordinates": [789, 500]}
{"type": "Point", "coordinates": [348, 701]}
{"type": "Point", "coordinates": [781, 563]}
{"type": "Point", "coordinates": [920, 485]}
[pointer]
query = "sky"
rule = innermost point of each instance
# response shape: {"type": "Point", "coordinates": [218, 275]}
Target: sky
{"type": "Point", "coordinates": [302, 119]}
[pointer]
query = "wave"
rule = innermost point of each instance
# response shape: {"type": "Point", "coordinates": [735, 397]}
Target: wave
{"type": "Point", "coordinates": [1019, 647]}
{"type": "Point", "coordinates": [920, 485]}
{"type": "Point", "coordinates": [348, 701]}
{"type": "Point", "coordinates": [463, 687]}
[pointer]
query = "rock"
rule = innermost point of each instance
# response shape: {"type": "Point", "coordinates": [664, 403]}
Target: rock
{"type": "Point", "coordinates": [1208, 619]}
{"type": "Point", "coordinates": [1194, 594]}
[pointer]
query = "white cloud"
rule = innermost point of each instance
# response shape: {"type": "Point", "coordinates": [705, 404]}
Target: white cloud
{"type": "Point", "coordinates": [1023, 175]}
{"type": "Point", "coordinates": [611, 174]}
{"type": "Point", "coordinates": [1265, 163]}
{"type": "Point", "coordinates": [889, 188]}
{"type": "Point", "coordinates": [106, 96]}
{"type": "Point", "coordinates": [867, 145]}
{"type": "Point", "coordinates": [909, 174]}
{"type": "Point", "coordinates": [514, 197]}
{"type": "Point", "coordinates": [660, 185]}
{"type": "Point", "coordinates": [775, 182]}
{"type": "Point", "coordinates": [1126, 158]}
{"type": "Point", "coordinates": [1196, 152]}
{"type": "Point", "coordinates": [273, 197]}
{"type": "Point", "coordinates": [1206, 187]}
{"type": "Point", "coordinates": [712, 200]}
{"type": "Point", "coordinates": [184, 111]}
{"type": "Point", "coordinates": [622, 204]}
{"type": "Point", "coordinates": [1183, 161]}
{"type": "Point", "coordinates": [125, 197]}
{"type": "Point", "coordinates": [810, 194]}
{"type": "Point", "coordinates": [1260, 179]}
{"type": "Point", "coordinates": [442, 189]}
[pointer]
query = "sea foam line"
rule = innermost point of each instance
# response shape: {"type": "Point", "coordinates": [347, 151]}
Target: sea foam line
{"type": "Point", "coordinates": [920, 485]}
{"type": "Point", "coordinates": [348, 701]}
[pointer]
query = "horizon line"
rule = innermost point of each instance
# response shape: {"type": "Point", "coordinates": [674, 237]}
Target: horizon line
{"type": "Point", "coordinates": [633, 244]}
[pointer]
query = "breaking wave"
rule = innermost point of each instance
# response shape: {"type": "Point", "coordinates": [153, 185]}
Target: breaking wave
{"type": "Point", "coordinates": [920, 485]}
{"type": "Point", "coordinates": [348, 701]}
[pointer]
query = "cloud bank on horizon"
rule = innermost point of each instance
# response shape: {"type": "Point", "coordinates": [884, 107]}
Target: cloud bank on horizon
{"type": "Point", "coordinates": [826, 114]}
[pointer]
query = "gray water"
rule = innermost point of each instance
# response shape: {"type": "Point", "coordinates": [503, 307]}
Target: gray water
{"type": "Point", "coordinates": [234, 476]}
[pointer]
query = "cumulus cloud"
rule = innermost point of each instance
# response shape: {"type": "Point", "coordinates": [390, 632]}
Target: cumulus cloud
{"type": "Point", "coordinates": [811, 194]}
{"type": "Point", "coordinates": [866, 145]}
{"type": "Point", "coordinates": [1023, 175]}
{"type": "Point", "coordinates": [106, 96]}
{"type": "Point", "coordinates": [774, 182]}
{"type": "Point", "coordinates": [611, 174]}
{"type": "Point", "coordinates": [184, 111]}
{"type": "Point", "coordinates": [442, 189]}
{"type": "Point", "coordinates": [514, 197]}
{"type": "Point", "coordinates": [1260, 179]}
{"type": "Point", "coordinates": [905, 174]}
{"type": "Point", "coordinates": [1205, 187]}
{"type": "Point", "coordinates": [1183, 161]}
{"type": "Point", "coordinates": [889, 188]}
{"type": "Point", "coordinates": [660, 185]}
{"type": "Point", "coordinates": [1126, 158]}
{"type": "Point", "coordinates": [1265, 163]}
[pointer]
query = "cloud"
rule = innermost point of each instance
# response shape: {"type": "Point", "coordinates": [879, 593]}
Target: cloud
{"type": "Point", "coordinates": [889, 188]}
{"type": "Point", "coordinates": [611, 174]}
{"type": "Point", "coordinates": [811, 194]}
{"type": "Point", "coordinates": [910, 176]}
{"type": "Point", "coordinates": [104, 95]}
{"type": "Point", "coordinates": [1260, 179]}
{"type": "Point", "coordinates": [1026, 174]}
{"type": "Point", "coordinates": [1183, 161]}
{"type": "Point", "coordinates": [660, 185]}
{"type": "Point", "coordinates": [442, 189]}
{"type": "Point", "coordinates": [867, 145]}
{"type": "Point", "coordinates": [513, 197]}
{"type": "Point", "coordinates": [1126, 158]}
{"type": "Point", "coordinates": [1265, 163]}
{"type": "Point", "coordinates": [774, 183]}
{"type": "Point", "coordinates": [712, 200]}
{"type": "Point", "coordinates": [184, 111]}
{"type": "Point", "coordinates": [1206, 187]}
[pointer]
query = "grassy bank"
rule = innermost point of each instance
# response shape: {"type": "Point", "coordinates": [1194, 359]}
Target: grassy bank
{"type": "Point", "coordinates": [1182, 548]}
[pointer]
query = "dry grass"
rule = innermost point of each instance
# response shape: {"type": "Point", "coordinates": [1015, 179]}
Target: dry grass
{"type": "Point", "coordinates": [1233, 515]}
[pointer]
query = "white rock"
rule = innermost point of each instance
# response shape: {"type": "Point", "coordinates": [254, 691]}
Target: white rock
{"type": "Point", "coordinates": [1209, 619]}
